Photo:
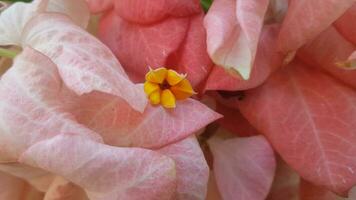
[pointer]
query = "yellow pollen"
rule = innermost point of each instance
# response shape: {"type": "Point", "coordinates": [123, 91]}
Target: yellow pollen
{"type": "Point", "coordinates": [165, 86]}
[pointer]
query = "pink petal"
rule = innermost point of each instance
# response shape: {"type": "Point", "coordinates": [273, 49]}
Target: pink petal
{"type": "Point", "coordinates": [306, 19]}
{"type": "Point", "coordinates": [192, 169]}
{"type": "Point", "coordinates": [139, 47]}
{"type": "Point", "coordinates": [345, 24]}
{"type": "Point", "coordinates": [309, 119]}
{"type": "Point", "coordinates": [98, 6]}
{"type": "Point", "coordinates": [63, 189]}
{"type": "Point", "coordinates": [243, 167]}
{"type": "Point", "coordinates": [144, 12]}
{"type": "Point", "coordinates": [267, 61]}
{"type": "Point", "coordinates": [233, 31]}
{"type": "Point", "coordinates": [120, 125]}
{"type": "Point", "coordinates": [11, 188]}
{"type": "Point", "coordinates": [326, 51]}
{"type": "Point", "coordinates": [191, 58]}
{"type": "Point", "coordinates": [30, 95]}
{"type": "Point", "coordinates": [105, 172]}
{"type": "Point", "coordinates": [50, 139]}
{"type": "Point", "coordinates": [54, 35]}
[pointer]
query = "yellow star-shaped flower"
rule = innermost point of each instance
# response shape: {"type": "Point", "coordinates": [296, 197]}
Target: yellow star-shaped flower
{"type": "Point", "coordinates": [165, 86]}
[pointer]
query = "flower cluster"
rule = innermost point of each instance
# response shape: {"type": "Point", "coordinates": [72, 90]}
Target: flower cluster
{"type": "Point", "coordinates": [178, 99]}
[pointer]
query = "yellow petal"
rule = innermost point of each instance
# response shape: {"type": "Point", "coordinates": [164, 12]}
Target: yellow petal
{"type": "Point", "coordinates": [182, 90]}
{"type": "Point", "coordinates": [173, 77]}
{"type": "Point", "coordinates": [157, 75]}
{"type": "Point", "coordinates": [167, 99]}
{"type": "Point", "coordinates": [155, 97]}
{"type": "Point", "coordinates": [150, 87]}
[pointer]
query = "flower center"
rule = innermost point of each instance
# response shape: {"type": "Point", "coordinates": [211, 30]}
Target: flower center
{"type": "Point", "coordinates": [165, 86]}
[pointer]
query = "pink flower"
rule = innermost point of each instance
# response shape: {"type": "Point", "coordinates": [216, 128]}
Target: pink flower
{"type": "Point", "coordinates": [73, 124]}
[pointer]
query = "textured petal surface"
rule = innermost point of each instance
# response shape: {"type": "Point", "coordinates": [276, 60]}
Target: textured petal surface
{"type": "Point", "coordinates": [51, 140]}
{"type": "Point", "coordinates": [30, 95]}
{"type": "Point", "coordinates": [233, 31]}
{"type": "Point", "coordinates": [192, 58]}
{"type": "Point", "coordinates": [309, 119]}
{"type": "Point", "coordinates": [120, 125]}
{"type": "Point", "coordinates": [105, 172]}
{"type": "Point", "coordinates": [243, 167]}
{"type": "Point", "coordinates": [192, 169]}
{"type": "Point", "coordinates": [139, 47]}
{"type": "Point", "coordinates": [143, 12]}
{"type": "Point", "coordinates": [328, 49]}
{"type": "Point", "coordinates": [306, 19]}
{"type": "Point", "coordinates": [54, 35]}
{"type": "Point", "coordinates": [267, 60]}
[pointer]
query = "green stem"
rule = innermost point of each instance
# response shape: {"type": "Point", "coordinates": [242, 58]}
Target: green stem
{"type": "Point", "coordinates": [7, 53]}
{"type": "Point", "coordinates": [206, 4]}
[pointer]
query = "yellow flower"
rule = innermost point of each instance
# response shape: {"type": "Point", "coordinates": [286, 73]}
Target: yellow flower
{"type": "Point", "coordinates": [165, 86]}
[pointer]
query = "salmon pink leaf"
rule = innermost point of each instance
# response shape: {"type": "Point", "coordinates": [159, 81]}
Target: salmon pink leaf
{"type": "Point", "coordinates": [50, 139]}
{"type": "Point", "coordinates": [120, 125]}
{"type": "Point", "coordinates": [306, 19]}
{"type": "Point", "coordinates": [233, 31]}
{"type": "Point", "coordinates": [308, 117]}
{"type": "Point", "coordinates": [191, 58]}
{"type": "Point", "coordinates": [139, 47]}
{"type": "Point", "coordinates": [86, 66]}
{"type": "Point", "coordinates": [192, 169]}
{"type": "Point", "coordinates": [267, 60]}
{"type": "Point", "coordinates": [243, 167]}
{"type": "Point", "coordinates": [105, 172]}
{"type": "Point", "coordinates": [147, 12]}
{"type": "Point", "coordinates": [330, 51]}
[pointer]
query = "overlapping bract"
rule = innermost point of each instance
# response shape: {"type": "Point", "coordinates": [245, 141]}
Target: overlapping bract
{"type": "Point", "coordinates": [258, 38]}
{"type": "Point", "coordinates": [160, 34]}
{"type": "Point", "coordinates": [71, 119]}
{"type": "Point", "coordinates": [303, 109]}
